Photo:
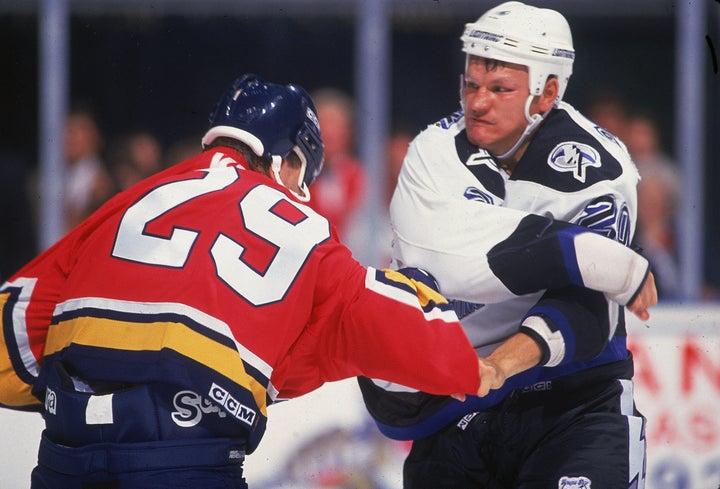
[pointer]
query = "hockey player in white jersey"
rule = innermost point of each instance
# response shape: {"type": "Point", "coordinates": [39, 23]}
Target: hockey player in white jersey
{"type": "Point", "coordinates": [559, 410]}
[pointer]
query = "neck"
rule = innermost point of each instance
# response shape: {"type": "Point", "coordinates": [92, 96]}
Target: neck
{"type": "Point", "coordinates": [508, 165]}
{"type": "Point", "coordinates": [509, 161]}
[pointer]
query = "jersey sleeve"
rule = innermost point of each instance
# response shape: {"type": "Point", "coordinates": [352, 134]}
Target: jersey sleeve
{"type": "Point", "coordinates": [542, 253]}
{"type": "Point", "coordinates": [401, 330]}
{"type": "Point", "coordinates": [485, 253]}
{"type": "Point", "coordinates": [18, 366]}
{"type": "Point", "coordinates": [381, 324]}
{"type": "Point", "coordinates": [27, 302]}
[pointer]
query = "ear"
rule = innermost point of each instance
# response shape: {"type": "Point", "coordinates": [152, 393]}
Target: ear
{"type": "Point", "coordinates": [547, 98]}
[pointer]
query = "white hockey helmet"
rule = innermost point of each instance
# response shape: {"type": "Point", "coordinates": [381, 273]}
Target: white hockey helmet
{"type": "Point", "coordinates": [534, 37]}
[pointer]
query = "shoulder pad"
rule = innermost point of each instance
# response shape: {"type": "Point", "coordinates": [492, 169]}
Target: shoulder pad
{"type": "Point", "coordinates": [447, 122]}
{"type": "Point", "coordinates": [564, 156]}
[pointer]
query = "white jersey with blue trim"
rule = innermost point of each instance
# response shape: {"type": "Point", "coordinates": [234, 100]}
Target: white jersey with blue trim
{"type": "Point", "coordinates": [575, 171]}
{"type": "Point", "coordinates": [440, 214]}
{"type": "Point", "coordinates": [507, 270]}
{"type": "Point", "coordinates": [452, 204]}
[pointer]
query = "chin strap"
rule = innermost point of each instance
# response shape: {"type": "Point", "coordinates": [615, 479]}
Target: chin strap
{"type": "Point", "coordinates": [305, 197]}
{"type": "Point", "coordinates": [275, 167]}
{"type": "Point", "coordinates": [533, 122]}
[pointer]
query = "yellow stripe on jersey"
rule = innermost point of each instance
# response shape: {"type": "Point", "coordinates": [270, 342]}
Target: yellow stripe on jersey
{"type": "Point", "coordinates": [13, 391]}
{"type": "Point", "coordinates": [425, 294]}
{"type": "Point", "coordinates": [122, 335]}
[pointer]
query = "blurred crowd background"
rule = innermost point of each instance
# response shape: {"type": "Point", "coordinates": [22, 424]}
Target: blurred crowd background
{"type": "Point", "coordinates": [144, 77]}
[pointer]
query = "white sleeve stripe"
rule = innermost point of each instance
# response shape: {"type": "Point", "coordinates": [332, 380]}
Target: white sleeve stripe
{"type": "Point", "coordinates": [621, 281]}
{"type": "Point", "coordinates": [170, 307]}
{"type": "Point", "coordinates": [20, 332]}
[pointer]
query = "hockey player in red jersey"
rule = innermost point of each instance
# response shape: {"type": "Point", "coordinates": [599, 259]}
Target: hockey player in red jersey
{"type": "Point", "coordinates": [154, 336]}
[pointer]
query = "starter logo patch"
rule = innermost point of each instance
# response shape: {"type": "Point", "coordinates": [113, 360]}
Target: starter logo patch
{"type": "Point", "coordinates": [581, 482]}
{"type": "Point", "coordinates": [574, 157]}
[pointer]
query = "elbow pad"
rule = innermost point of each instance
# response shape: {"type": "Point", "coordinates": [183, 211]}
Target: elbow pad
{"type": "Point", "coordinates": [544, 254]}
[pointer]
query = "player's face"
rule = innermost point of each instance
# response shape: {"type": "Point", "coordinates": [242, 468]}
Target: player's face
{"type": "Point", "coordinates": [494, 97]}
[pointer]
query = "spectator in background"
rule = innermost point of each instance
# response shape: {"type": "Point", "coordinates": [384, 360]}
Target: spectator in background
{"type": "Point", "coordinates": [609, 112]}
{"type": "Point", "coordinates": [339, 191]}
{"type": "Point", "coordinates": [643, 142]}
{"type": "Point", "coordinates": [657, 203]}
{"type": "Point", "coordinates": [398, 144]}
{"type": "Point", "coordinates": [18, 240]}
{"type": "Point", "coordinates": [87, 180]}
{"type": "Point", "coordinates": [182, 149]}
{"type": "Point", "coordinates": [361, 233]}
{"type": "Point", "coordinates": [657, 189]}
{"type": "Point", "coordinates": [656, 228]}
{"type": "Point", "coordinates": [135, 158]}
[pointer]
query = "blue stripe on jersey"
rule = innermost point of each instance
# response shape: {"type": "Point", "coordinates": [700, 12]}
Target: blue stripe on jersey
{"type": "Point", "coordinates": [566, 238]}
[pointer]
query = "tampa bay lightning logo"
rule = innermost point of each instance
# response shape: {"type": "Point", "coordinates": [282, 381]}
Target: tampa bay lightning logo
{"type": "Point", "coordinates": [474, 193]}
{"type": "Point", "coordinates": [574, 157]}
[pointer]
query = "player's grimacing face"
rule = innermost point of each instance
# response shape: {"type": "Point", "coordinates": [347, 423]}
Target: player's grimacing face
{"type": "Point", "coordinates": [494, 97]}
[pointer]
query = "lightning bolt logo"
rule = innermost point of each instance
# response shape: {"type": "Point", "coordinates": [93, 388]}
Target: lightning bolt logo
{"type": "Point", "coordinates": [574, 157]}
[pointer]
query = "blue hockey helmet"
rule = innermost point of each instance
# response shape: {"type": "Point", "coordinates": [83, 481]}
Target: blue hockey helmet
{"type": "Point", "coordinates": [273, 120]}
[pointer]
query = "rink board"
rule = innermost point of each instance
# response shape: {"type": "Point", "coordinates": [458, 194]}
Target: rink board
{"type": "Point", "coordinates": [327, 435]}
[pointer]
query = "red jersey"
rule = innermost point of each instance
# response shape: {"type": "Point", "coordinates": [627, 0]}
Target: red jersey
{"type": "Point", "coordinates": [211, 277]}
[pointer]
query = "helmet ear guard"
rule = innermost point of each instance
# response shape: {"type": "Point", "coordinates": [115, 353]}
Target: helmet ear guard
{"type": "Point", "coordinates": [274, 121]}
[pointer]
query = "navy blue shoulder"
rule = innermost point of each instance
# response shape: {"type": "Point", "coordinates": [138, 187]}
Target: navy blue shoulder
{"type": "Point", "coordinates": [564, 156]}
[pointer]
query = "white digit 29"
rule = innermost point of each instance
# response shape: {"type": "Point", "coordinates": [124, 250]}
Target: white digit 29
{"type": "Point", "coordinates": [294, 241]}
